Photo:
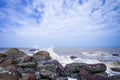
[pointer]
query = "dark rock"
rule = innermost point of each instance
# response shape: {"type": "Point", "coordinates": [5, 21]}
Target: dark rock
{"type": "Point", "coordinates": [2, 55]}
{"type": "Point", "coordinates": [62, 78]}
{"type": "Point", "coordinates": [42, 55]}
{"type": "Point", "coordinates": [92, 68]}
{"type": "Point", "coordinates": [32, 49]}
{"type": "Point", "coordinates": [115, 77]}
{"type": "Point", "coordinates": [115, 69]}
{"type": "Point", "coordinates": [102, 74]}
{"type": "Point", "coordinates": [52, 65]}
{"type": "Point", "coordinates": [27, 65]}
{"type": "Point", "coordinates": [29, 77]}
{"type": "Point", "coordinates": [96, 68]}
{"type": "Point", "coordinates": [6, 76]}
{"type": "Point", "coordinates": [14, 52]}
{"type": "Point", "coordinates": [88, 76]}
{"type": "Point", "coordinates": [73, 57]}
{"type": "Point", "coordinates": [115, 54]}
{"type": "Point", "coordinates": [46, 74]}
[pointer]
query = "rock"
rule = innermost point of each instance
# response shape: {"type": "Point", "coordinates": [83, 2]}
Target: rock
{"type": "Point", "coordinates": [32, 49]}
{"type": "Point", "coordinates": [115, 69]}
{"type": "Point", "coordinates": [73, 57]}
{"type": "Point", "coordinates": [62, 78]}
{"type": "Point", "coordinates": [28, 59]}
{"type": "Point", "coordinates": [12, 69]}
{"type": "Point", "coordinates": [96, 68]}
{"type": "Point", "coordinates": [102, 74]}
{"type": "Point", "coordinates": [51, 65]}
{"type": "Point", "coordinates": [92, 68]}
{"type": "Point", "coordinates": [2, 70]}
{"type": "Point", "coordinates": [29, 77]}
{"type": "Point", "coordinates": [6, 76]}
{"type": "Point", "coordinates": [27, 65]}
{"type": "Point", "coordinates": [88, 76]}
{"type": "Point", "coordinates": [115, 77]}
{"type": "Point", "coordinates": [2, 55]}
{"type": "Point", "coordinates": [115, 54]}
{"type": "Point", "coordinates": [14, 52]}
{"type": "Point", "coordinates": [46, 74]}
{"type": "Point", "coordinates": [53, 62]}
{"type": "Point", "coordinates": [43, 55]}
{"type": "Point", "coordinates": [6, 62]}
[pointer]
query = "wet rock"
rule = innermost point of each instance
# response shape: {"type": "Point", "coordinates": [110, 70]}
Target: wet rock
{"type": "Point", "coordinates": [96, 68]}
{"type": "Point", "coordinates": [14, 52]}
{"type": "Point", "coordinates": [102, 74]}
{"type": "Point", "coordinates": [115, 54]}
{"type": "Point", "coordinates": [115, 77]}
{"type": "Point", "coordinates": [12, 69]}
{"type": "Point", "coordinates": [6, 62]}
{"type": "Point", "coordinates": [52, 65]}
{"type": "Point", "coordinates": [27, 65]}
{"type": "Point", "coordinates": [62, 78]}
{"type": "Point", "coordinates": [42, 55]}
{"type": "Point", "coordinates": [88, 76]}
{"type": "Point", "coordinates": [115, 69]}
{"type": "Point", "coordinates": [2, 70]}
{"type": "Point", "coordinates": [46, 74]}
{"type": "Point", "coordinates": [6, 76]}
{"type": "Point", "coordinates": [92, 68]}
{"type": "Point", "coordinates": [73, 57]}
{"type": "Point", "coordinates": [29, 77]}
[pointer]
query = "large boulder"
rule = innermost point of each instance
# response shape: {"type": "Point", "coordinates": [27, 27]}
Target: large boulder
{"type": "Point", "coordinates": [14, 52]}
{"type": "Point", "coordinates": [86, 75]}
{"type": "Point", "coordinates": [92, 68]}
{"type": "Point", "coordinates": [6, 76]}
{"type": "Point", "coordinates": [42, 55]}
{"type": "Point", "coordinates": [51, 65]}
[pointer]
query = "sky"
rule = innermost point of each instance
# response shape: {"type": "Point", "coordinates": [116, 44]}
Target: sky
{"type": "Point", "coordinates": [60, 23]}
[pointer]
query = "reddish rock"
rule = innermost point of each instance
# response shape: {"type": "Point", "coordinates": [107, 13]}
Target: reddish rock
{"type": "Point", "coordinates": [6, 62]}
{"type": "Point", "coordinates": [43, 55]}
{"type": "Point", "coordinates": [29, 77]}
{"type": "Point", "coordinates": [12, 69]}
{"type": "Point", "coordinates": [28, 59]}
{"type": "Point", "coordinates": [88, 76]}
{"type": "Point", "coordinates": [14, 52]}
{"type": "Point", "coordinates": [6, 76]}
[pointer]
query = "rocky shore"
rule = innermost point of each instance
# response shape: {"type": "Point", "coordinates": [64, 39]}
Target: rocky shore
{"type": "Point", "coordinates": [17, 65]}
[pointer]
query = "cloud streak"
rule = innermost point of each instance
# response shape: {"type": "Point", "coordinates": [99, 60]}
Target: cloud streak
{"type": "Point", "coordinates": [65, 21]}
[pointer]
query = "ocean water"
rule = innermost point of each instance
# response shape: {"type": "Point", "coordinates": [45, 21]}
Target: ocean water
{"type": "Point", "coordinates": [83, 55]}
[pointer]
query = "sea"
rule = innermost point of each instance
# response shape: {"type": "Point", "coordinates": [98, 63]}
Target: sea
{"type": "Point", "coordinates": [109, 56]}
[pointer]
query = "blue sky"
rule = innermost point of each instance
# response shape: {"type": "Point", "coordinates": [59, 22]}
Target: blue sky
{"type": "Point", "coordinates": [60, 23]}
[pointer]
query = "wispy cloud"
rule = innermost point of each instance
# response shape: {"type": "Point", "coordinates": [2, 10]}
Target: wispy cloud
{"type": "Point", "coordinates": [60, 19]}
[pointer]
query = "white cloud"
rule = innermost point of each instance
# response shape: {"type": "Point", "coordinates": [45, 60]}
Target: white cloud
{"type": "Point", "coordinates": [63, 18]}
